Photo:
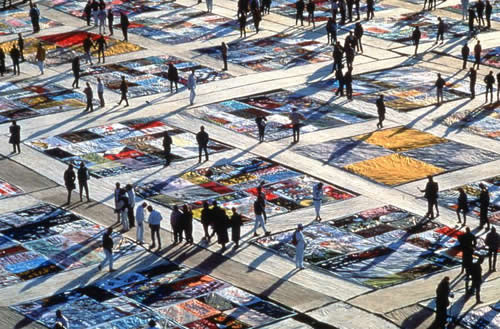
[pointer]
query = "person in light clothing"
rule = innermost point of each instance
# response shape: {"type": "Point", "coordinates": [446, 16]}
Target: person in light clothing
{"type": "Point", "coordinates": [317, 197]}
{"type": "Point", "coordinates": [139, 220]}
{"type": "Point", "coordinates": [300, 245]}
{"type": "Point", "coordinates": [154, 221]}
{"type": "Point", "coordinates": [191, 84]}
{"type": "Point", "coordinates": [100, 92]}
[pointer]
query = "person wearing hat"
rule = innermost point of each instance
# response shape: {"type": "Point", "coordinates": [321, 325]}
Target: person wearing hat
{"type": "Point", "coordinates": [300, 245]}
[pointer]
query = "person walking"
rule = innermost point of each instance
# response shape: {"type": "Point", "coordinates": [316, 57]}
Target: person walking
{"type": "Point", "coordinates": [101, 47]}
{"type": "Point", "coordinates": [210, 6]}
{"type": "Point", "coordinates": [35, 18]}
{"type": "Point", "coordinates": [242, 19]}
{"type": "Point", "coordinates": [15, 56]}
{"type": "Point", "coordinates": [311, 7]}
{"type": "Point", "coordinates": [202, 139]}
{"type": "Point", "coordinates": [259, 219]}
{"type": "Point", "coordinates": [488, 10]}
{"type": "Point", "coordinates": [358, 33]}
{"type": "Point", "coordinates": [129, 189]}
{"type": "Point", "coordinates": [187, 223]}
{"type": "Point", "coordinates": [224, 50]}
{"type": "Point", "coordinates": [476, 274]}
{"type": "Point", "coordinates": [69, 181]}
{"type": "Point", "coordinates": [83, 177]}
{"type": "Point", "coordinates": [295, 121]}
{"type": "Point", "coordinates": [348, 84]}
{"type": "Point", "coordinates": [167, 147]}
{"type": "Point", "coordinates": [467, 243]}
{"type": "Point", "coordinates": [62, 319]}
{"type": "Point", "coordinates": [349, 4]}
{"type": "Point", "coordinates": [465, 55]}
{"type": "Point", "coordinates": [75, 67]}
{"type": "Point", "coordinates": [331, 31]}
{"type": "Point", "coordinates": [2, 62]}
{"type": "Point", "coordinates": [480, 12]}
{"type": "Point", "coordinates": [124, 24]}
{"type": "Point", "coordinates": [89, 95]}
{"type": "Point", "coordinates": [442, 302]}
{"type": "Point", "coordinates": [349, 56]}
{"type": "Point", "coordinates": [338, 53]}
{"type": "Point", "coordinates": [122, 209]}
{"type": "Point", "coordinates": [299, 6]}
{"type": "Point", "coordinates": [191, 84]}
{"type": "Point", "coordinates": [472, 82]}
{"type": "Point", "coordinates": [107, 246]}
{"type": "Point", "coordinates": [300, 245]}
{"type": "Point", "coordinates": [139, 220]}
{"type": "Point", "coordinates": [484, 204]}
{"type": "Point", "coordinates": [257, 18]}
{"type": "Point", "coordinates": [261, 121]}
{"type": "Point", "coordinates": [101, 16]}
{"type": "Point", "coordinates": [339, 76]}
{"type": "Point", "coordinates": [236, 223]}
{"type": "Point", "coordinates": [477, 54]}
{"type": "Point", "coordinates": [154, 221]}
{"type": "Point", "coordinates": [463, 206]}
{"type": "Point", "coordinates": [465, 6]}
{"type": "Point", "coordinates": [370, 9]}
{"type": "Point", "coordinates": [87, 47]}
{"type": "Point", "coordinates": [492, 242]}
{"type": "Point", "coordinates": [123, 92]}
{"type": "Point", "coordinates": [100, 92]}
{"type": "Point", "coordinates": [415, 37]}
{"type": "Point", "coordinates": [221, 223]}
{"type": "Point", "coordinates": [489, 80]}
{"type": "Point", "coordinates": [207, 221]}
{"type": "Point", "coordinates": [15, 137]}
{"type": "Point", "coordinates": [439, 88]}
{"type": "Point", "coordinates": [173, 77]}
{"type": "Point", "coordinates": [440, 31]}
{"type": "Point", "coordinates": [380, 111]}
{"type": "Point", "coordinates": [176, 224]}
{"type": "Point", "coordinates": [431, 194]}
{"type": "Point", "coordinates": [317, 199]}
{"type": "Point", "coordinates": [262, 194]}
{"type": "Point", "coordinates": [20, 46]}
{"type": "Point", "coordinates": [111, 18]}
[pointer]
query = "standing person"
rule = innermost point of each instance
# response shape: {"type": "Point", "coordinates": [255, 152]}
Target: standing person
{"type": "Point", "coordinates": [472, 17]}
{"type": "Point", "coordinates": [300, 245]}
{"type": "Point", "coordinates": [477, 55]}
{"type": "Point", "coordinates": [95, 12]}
{"type": "Point", "coordinates": [380, 111]}
{"type": "Point", "coordinates": [139, 219]}
{"type": "Point", "coordinates": [20, 45]}
{"type": "Point", "coordinates": [299, 6]}
{"type": "Point", "coordinates": [100, 92]}
{"type": "Point", "coordinates": [191, 84]}
{"type": "Point", "coordinates": [242, 19]}
{"type": "Point", "coordinates": [498, 86]}
{"type": "Point", "coordinates": [15, 55]}
{"type": "Point", "coordinates": [489, 80]}
{"type": "Point", "coordinates": [342, 10]}
{"type": "Point", "coordinates": [131, 204]}
{"type": "Point", "coordinates": [334, 8]}
{"type": "Point", "coordinates": [154, 221]}
{"type": "Point", "coordinates": [440, 31]}
{"type": "Point", "coordinates": [467, 243]}
{"type": "Point", "coordinates": [261, 126]}
{"type": "Point", "coordinates": [87, 47]}
{"type": "Point", "coordinates": [173, 77]}
{"type": "Point", "coordinates": [167, 147]}
{"type": "Point", "coordinates": [480, 12]}
{"type": "Point", "coordinates": [122, 209]}
{"type": "Point", "coordinates": [69, 181]}
{"type": "Point", "coordinates": [356, 5]}
{"type": "Point", "coordinates": [311, 7]}
{"type": "Point", "coordinates": [262, 194]}
{"type": "Point", "coordinates": [349, 56]}
{"type": "Point", "coordinates": [101, 16]}
{"type": "Point", "coordinates": [266, 5]}
{"type": "Point", "coordinates": [176, 224]}
{"type": "Point", "coordinates": [202, 139]}
{"type": "Point", "coordinates": [295, 119]}
{"type": "Point", "coordinates": [124, 23]}
{"type": "Point", "coordinates": [89, 95]}
{"type": "Point", "coordinates": [476, 274]}
{"type": "Point", "coordinates": [107, 246]}
{"type": "Point", "coordinates": [472, 82]}
{"type": "Point", "coordinates": [331, 31]}
{"type": "Point", "coordinates": [111, 18]}
{"type": "Point", "coordinates": [221, 223]}
{"type": "Point", "coordinates": [187, 223]}
{"type": "Point", "coordinates": [116, 197]}
{"type": "Point", "coordinates": [236, 223]}
{"type": "Point", "coordinates": [256, 19]}
{"type": "Point", "coordinates": [101, 47]}
{"type": "Point", "coordinates": [259, 219]}
{"type": "Point", "coordinates": [224, 50]}
{"type": "Point", "coordinates": [370, 9]}
{"type": "Point", "coordinates": [2, 62]}
{"type": "Point", "coordinates": [415, 37]}
{"type": "Point", "coordinates": [431, 194]}
{"type": "Point", "coordinates": [484, 203]}
{"type": "Point", "coordinates": [348, 83]}
{"type": "Point", "coordinates": [349, 4]}
{"type": "Point", "coordinates": [465, 6]}
{"type": "Point", "coordinates": [207, 220]}
{"type": "Point", "coordinates": [492, 241]}
{"type": "Point", "coordinates": [488, 11]}
{"type": "Point", "coordinates": [75, 67]}
{"type": "Point", "coordinates": [439, 88]}
{"type": "Point", "coordinates": [210, 5]}
{"type": "Point", "coordinates": [87, 12]}
{"type": "Point", "coordinates": [465, 55]}
{"type": "Point", "coordinates": [317, 198]}
{"type": "Point", "coordinates": [339, 76]}
{"type": "Point", "coordinates": [62, 319]}
{"type": "Point", "coordinates": [358, 33]}
{"type": "Point", "coordinates": [463, 206]}
{"type": "Point", "coordinates": [338, 53]}
{"type": "Point", "coordinates": [83, 177]}
{"type": "Point", "coordinates": [442, 302]}
{"type": "Point", "coordinates": [123, 91]}
{"type": "Point", "coordinates": [35, 18]}
{"type": "Point", "coordinates": [15, 136]}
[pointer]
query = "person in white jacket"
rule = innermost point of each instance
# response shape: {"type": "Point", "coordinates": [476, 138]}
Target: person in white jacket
{"type": "Point", "coordinates": [300, 246]}
{"type": "Point", "coordinates": [317, 197]}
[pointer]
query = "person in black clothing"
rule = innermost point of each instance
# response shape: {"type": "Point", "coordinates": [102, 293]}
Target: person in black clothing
{"type": "Point", "coordinates": [442, 302]}
{"type": "Point", "coordinates": [87, 11]}
{"type": "Point", "coordinates": [173, 77]}
{"type": "Point", "coordinates": [440, 31]}
{"type": "Point", "coordinates": [465, 55]}
{"type": "Point", "coordinates": [350, 40]}
{"type": "Point", "coordinates": [484, 203]}
{"type": "Point", "coordinates": [338, 53]}
{"type": "Point", "coordinates": [242, 19]}
{"type": "Point", "coordinates": [342, 8]}
{"type": "Point", "coordinates": [431, 194]}
{"type": "Point", "coordinates": [35, 18]}
{"type": "Point", "coordinates": [358, 33]}
{"type": "Point", "coordinates": [20, 45]}
{"type": "Point", "coordinates": [349, 4]}
{"type": "Point", "coordinates": [69, 181]}
{"type": "Point", "coordinates": [123, 92]}
{"type": "Point", "coordinates": [256, 19]}
{"type": "Point", "coordinates": [110, 17]}
{"type": "Point", "coordinates": [83, 177]}
{"type": "Point", "coordinates": [463, 206]}
{"type": "Point", "coordinates": [107, 246]}
{"type": "Point", "coordinates": [15, 136]}
{"type": "Point", "coordinates": [266, 6]}
{"type": "Point", "coordinates": [88, 93]}
{"type": "Point", "coordinates": [498, 86]}
{"type": "Point", "coordinates": [101, 46]}
{"type": "Point", "coordinates": [480, 12]}
{"type": "Point", "coordinates": [75, 66]}
{"type": "Point", "coordinates": [380, 111]}
{"type": "Point", "coordinates": [348, 83]}
{"type": "Point", "coordinates": [187, 223]}
{"type": "Point", "coordinates": [370, 9]}
{"type": "Point", "coordinates": [356, 5]}
{"type": "Point", "coordinates": [472, 82]}
{"type": "Point", "coordinates": [476, 274]}
{"type": "Point", "coordinates": [492, 241]}
{"type": "Point", "coordinates": [167, 147]}
{"type": "Point", "coordinates": [207, 220]}
{"type": "Point", "coordinates": [489, 80]}
{"type": "Point", "coordinates": [339, 76]}
{"type": "Point", "coordinates": [488, 11]}
{"type": "Point", "coordinates": [331, 31]}
{"type": "Point", "coordinates": [415, 37]}
{"type": "Point", "coordinates": [477, 55]}
{"type": "Point", "coordinates": [467, 243]}
{"type": "Point", "coordinates": [299, 5]}
{"type": "Point", "coordinates": [236, 223]}
{"type": "Point", "coordinates": [124, 23]}
{"type": "Point", "coordinates": [224, 50]}
{"type": "Point", "coordinates": [202, 139]}
{"type": "Point", "coordinates": [349, 56]}
{"type": "Point", "coordinates": [439, 88]}
{"type": "Point", "coordinates": [87, 47]}
{"type": "Point", "coordinates": [311, 7]}
{"type": "Point", "coordinates": [261, 126]}
{"type": "Point", "coordinates": [2, 62]}
{"type": "Point", "coordinates": [472, 17]}
{"type": "Point", "coordinates": [221, 223]}
{"type": "Point", "coordinates": [15, 55]}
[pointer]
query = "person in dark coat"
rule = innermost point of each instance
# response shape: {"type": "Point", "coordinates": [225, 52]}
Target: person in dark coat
{"type": "Point", "coordinates": [472, 18]}
{"type": "Point", "coordinates": [338, 53]}
{"type": "Point", "coordinates": [484, 204]}
{"type": "Point", "coordinates": [187, 223]}
{"type": "Point", "coordinates": [331, 30]}
{"type": "Point", "coordinates": [257, 18]}
{"type": "Point", "coordinates": [348, 83]}
{"type": "Point", "coordinates": [310, 7]}
{"type": "Point", "coordinates": [477, 55]}
{"type": "Point", "coordinates": [299, 6]}
{"type": "Point", "coordinates": [349, 4]}
{"type": "Point", "coordinates": [480, 12]}
{"type": "Point", "coordinates": [415, 37]}
{"type": "Point", "coordinates": [207, 221]}
{"type": "Point", "coordinates": [87, 12]}
{"type": "Point", "coordinates": [488, 10]}
{"type": "Point", "coordinates": [83, 177]}
{"type": "Point", "coordinates": [123, 92]}
{"type": "Point", "coordinates": [342, 8]}
{"type": "Point", "coordinates": [167, 147]}
{"type": "Point", "coordinates": [176, 224]}
{"type": "Point", "coordinates": [224, 50]}
{"type": "Point", "coordinates": [87, 49]}
{"type": "Point", "coordinates": [498, 86]}
{"type": "Point", "coordinates": [349, 56]}
{"type": "Point", "coordinates": [442, 302]}
{"type": "Point", "coordinates": [492, 241]}
{"type": "Point", "coordinates": [431, 194]}
{"type": "Point", "coordinates": [380, 111]}
{"type": "Point", "coordinates": [124, 23]}
{"type": "Point", "coordinates": [75, 67]}
{"type": "Point", "coordinates": [370, 9]}
{"type": "Point", "coordinates": [339, 76]}
{"type": "Point", "coordinates": [465, 55]}
{"type": "Point", "coordinates": [15, 56]}
{"type": "Point", "coordinates": [173, 77]}
{"type": "Point", "coordinates": [472, 82]}
{"type": "Point", "coordinates": [220, 224]}
{"type": "Point", "coordinates": [202, 139]}
{"type": "Point", "coordinates": [101, 47]}
{"type": "Point", "coordinates": [467, 243]}
{"type": "Point", "coordinates": [90, 96]}
{"type": "Point", "coordinates": [15, 137]}
{"type": "Point", "coordinates": [476, 275]}
{"type": "Point", "coordinates": [107, 246]}
{"type": "Point", "coordinates": [35, 18]}
{"type": "Point", "coordinates": [463, 206]}
{"type": "Point", "coordinates": [242, 19]}
{"type": "Point", "coordinates": [236, 223]}
{"type": "Point", "coordinates": [489, 80]}
{"type": "Point", "coordinates": [69, 181]}
{"type": "Point", "coordinates": [358, 33]}
{"type": "Point", "coordinates": [110, 17]}
{"type": "Point", "coordinates": [20, 45]}
{"type": "Point", "coordinates": [261, 126]}
{"type": "Point", "coordinates": [2, 62]}
{"type": "Point", "coordinates": [439, 88]}
{"type": "Point", "coordinates": [440, 31]}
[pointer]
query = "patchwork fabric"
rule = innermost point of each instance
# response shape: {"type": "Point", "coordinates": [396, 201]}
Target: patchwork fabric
{"type": "Point", "coordinates": [162, 293]}
{"type": "Point", "coordinates": [239, 115]}
{"type": "Point", "coordinates": [235, 185]}
{"type": "Point", "coordinates": [148, 76]}
{"type": "Point", "coordinates": [18, 21]}
{"type": "Point", "coordinates": [45, 239]}
{"type": "Point", "coordinates": [8, 190]}
{"type": "Point", "coordinates": [280, 51]}
{"type": "Point", "coordinates": [376, 248]}
{"type": "Point", "coordinates": [490, 56]}
{"type": "Point", "coordinates": [487, 317]}
{"type": "Point", "coordinates": [397, 155]}
{"type": "Point", "coordinates": [122, 147]}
